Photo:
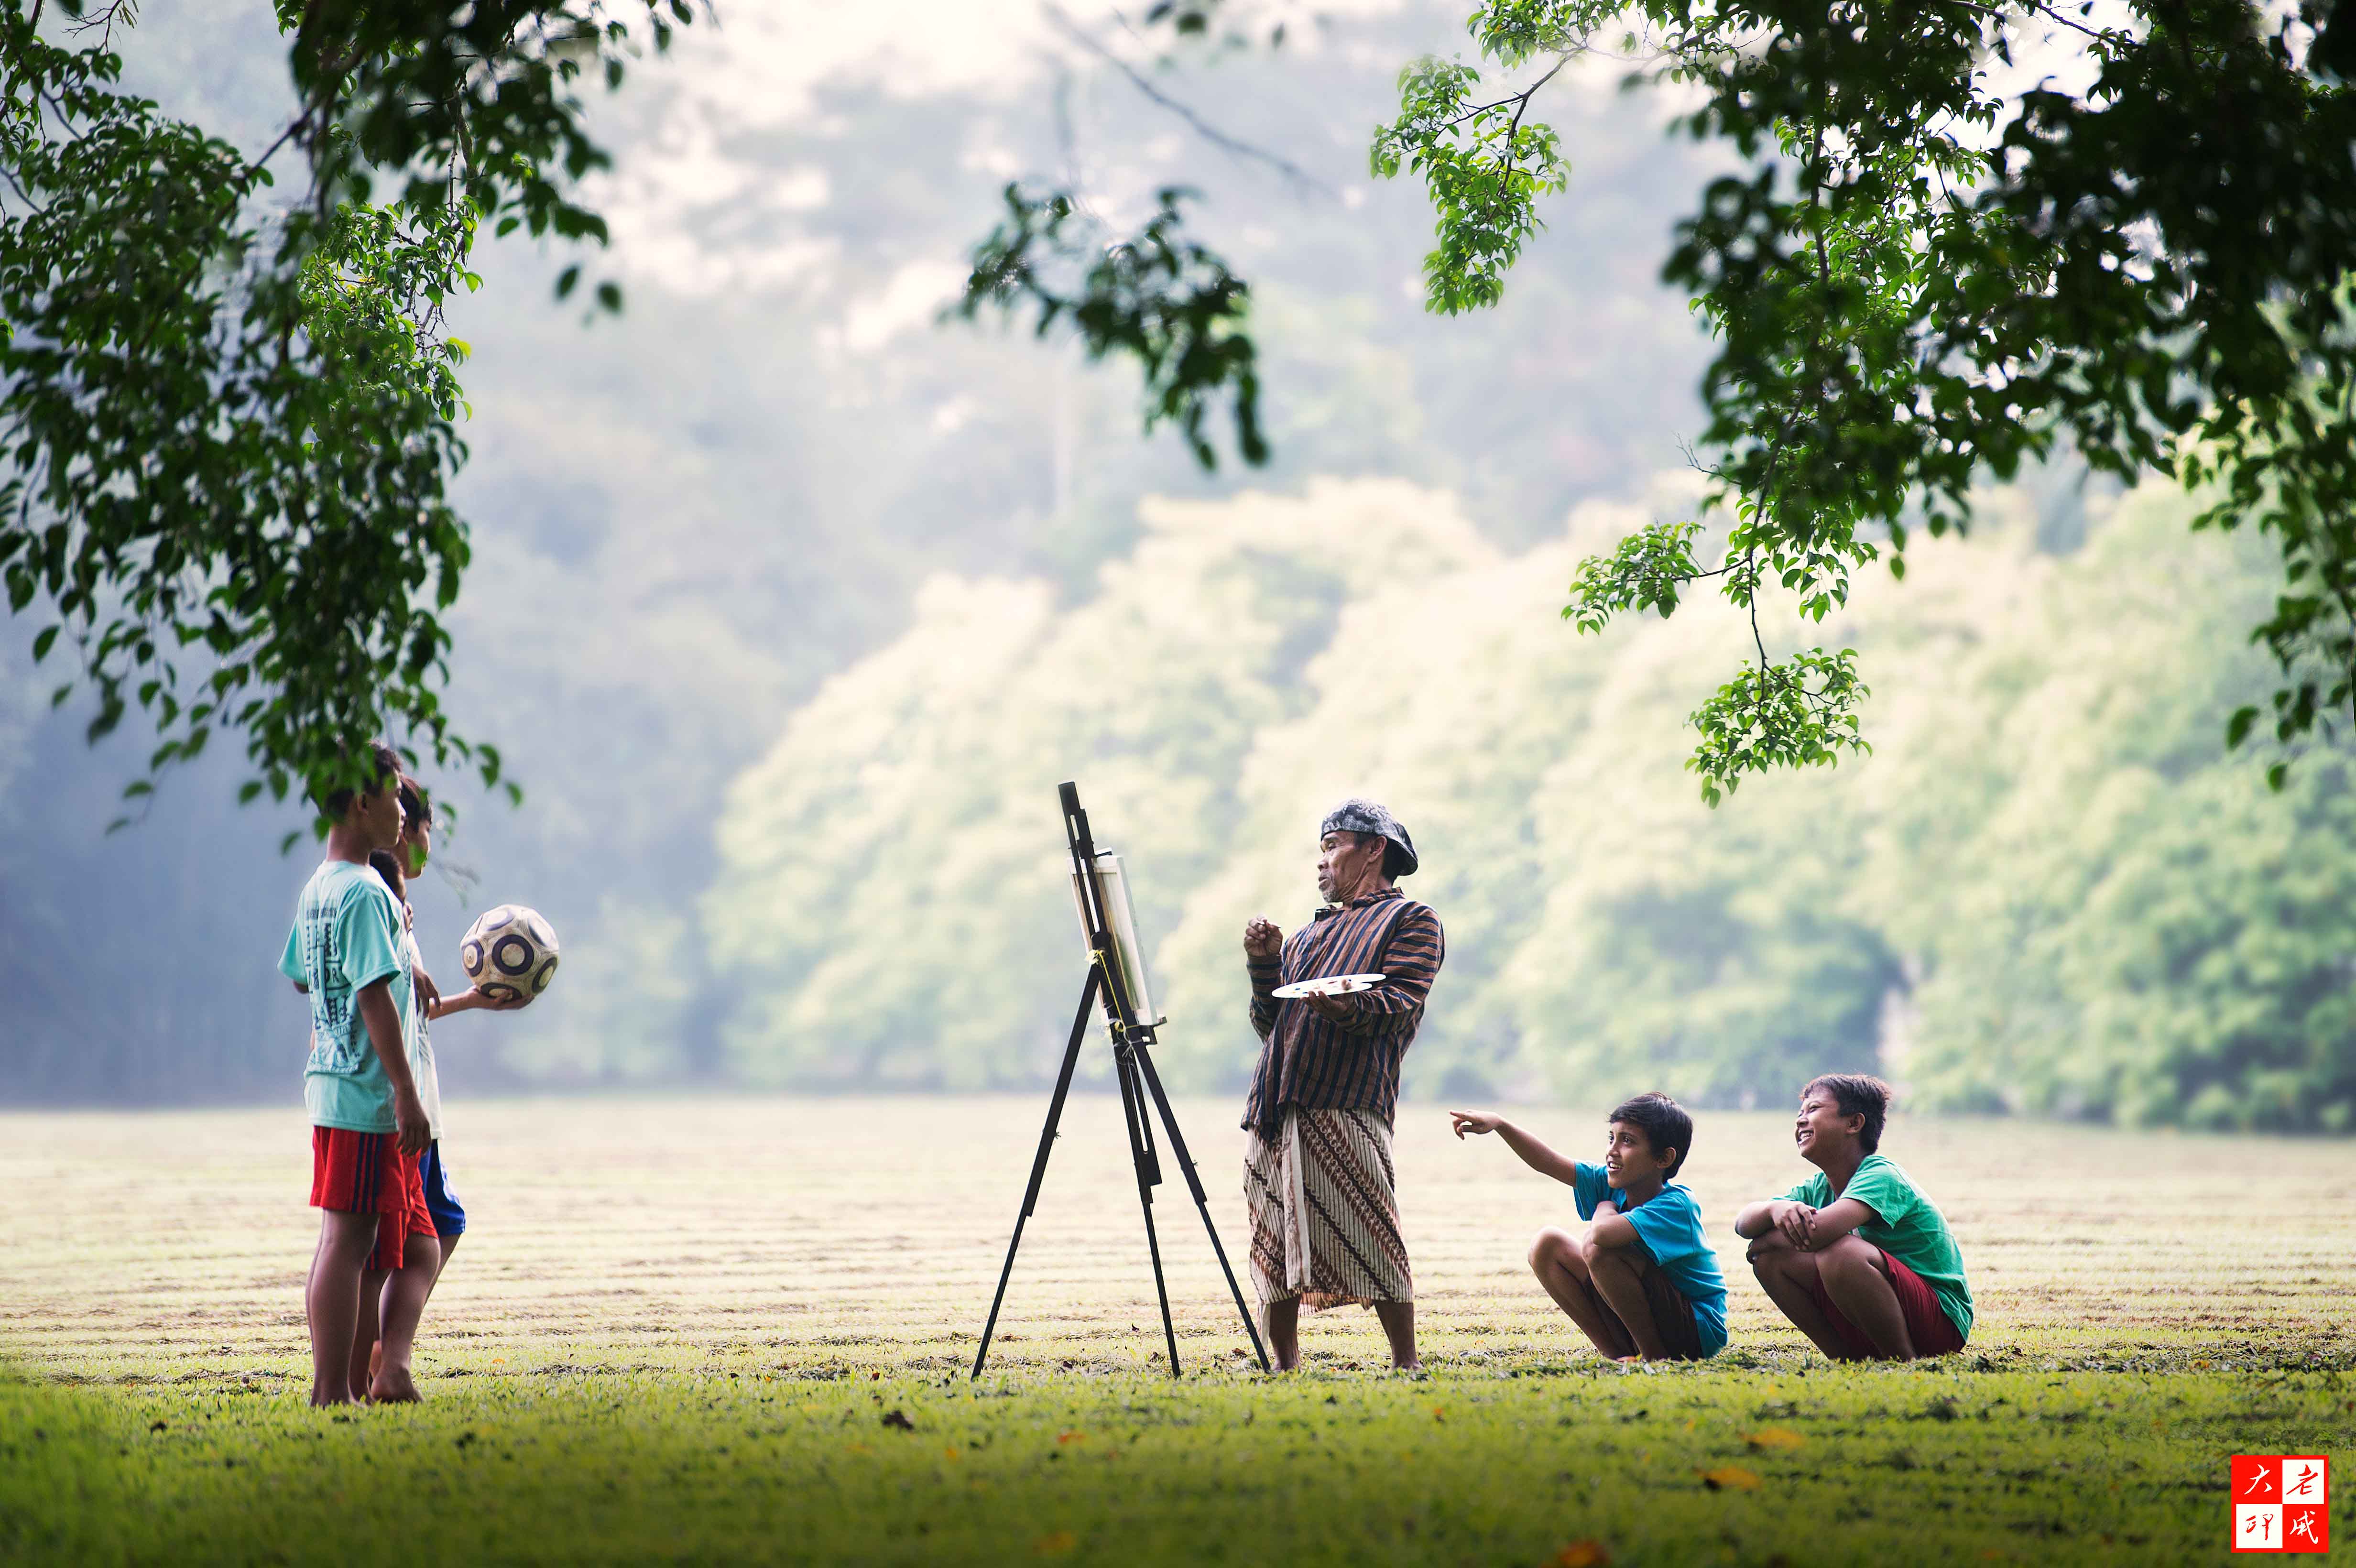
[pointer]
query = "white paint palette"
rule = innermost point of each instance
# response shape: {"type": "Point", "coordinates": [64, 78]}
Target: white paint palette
{"type": "Point", "coordinates": [1329, 985]}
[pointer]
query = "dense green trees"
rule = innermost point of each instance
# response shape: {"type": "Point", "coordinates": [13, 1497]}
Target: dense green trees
{"type": "Point", "coordinates": [2046, 891]}
{"type": "Point", "coordinates": [230, 421]}
{"type": "Point", "coordinates": [1950, 239]}
{"type": "Point", "coordinates": [889, 906]}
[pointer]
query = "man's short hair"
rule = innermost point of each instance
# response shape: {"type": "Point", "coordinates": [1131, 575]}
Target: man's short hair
{"type": "Point", "coordinates": [416, 804]}
{"type": "Point", "coordinates": [387, 760]}
{"type": "Point", "coordinates": [1396, 862]}
{"type": "Point", "coordinates": [383, 864]}
{"type": "Point", "coordinates": [1857, 1094]}
{"type": "Point", "coordinates": [1664, 1123]}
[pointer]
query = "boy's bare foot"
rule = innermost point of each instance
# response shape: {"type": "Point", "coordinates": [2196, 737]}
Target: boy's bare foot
{"type": "Point", "coordinates": [393, 1386]}
{"type": "Point", "coordinates": [1630, 1361]}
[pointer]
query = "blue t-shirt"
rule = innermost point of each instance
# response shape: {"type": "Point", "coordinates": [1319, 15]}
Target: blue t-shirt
{"type": "Point", "coordinates": [1668, 1227]}
{"type": "Point", "coordinates": [347, 936]}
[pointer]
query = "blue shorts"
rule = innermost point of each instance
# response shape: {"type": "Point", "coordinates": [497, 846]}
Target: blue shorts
{"type": "Point", "coordinates": [449, 1219]}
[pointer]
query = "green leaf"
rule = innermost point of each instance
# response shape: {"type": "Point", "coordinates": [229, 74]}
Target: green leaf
{"type": "Point", "coordinates": [1154, 297]}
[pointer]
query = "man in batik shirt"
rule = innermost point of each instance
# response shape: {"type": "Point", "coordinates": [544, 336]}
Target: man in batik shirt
{"type": "Point", "coordinates": [1317, 1173]}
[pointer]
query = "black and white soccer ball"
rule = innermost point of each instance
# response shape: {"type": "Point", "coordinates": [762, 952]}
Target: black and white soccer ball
{"type": "Point", "coordinates": [510, 952]}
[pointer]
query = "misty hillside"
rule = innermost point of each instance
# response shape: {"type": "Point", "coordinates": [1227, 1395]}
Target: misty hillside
{"type": "Point", "coordinates": [789, 605]}
{"type": "Point", "coordinates": [686, 519]}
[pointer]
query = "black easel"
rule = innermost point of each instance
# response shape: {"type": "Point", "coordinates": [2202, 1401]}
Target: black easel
{"type": "Point", "coordinates": [1133, 1067]}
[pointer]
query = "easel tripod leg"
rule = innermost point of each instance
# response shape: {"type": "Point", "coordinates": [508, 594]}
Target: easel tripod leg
{"type": "Point", "coordinates": [1202, 1202]}
{"type": "Point", "coordinates": [1141, 1152]}
{"type": "Point", "coordinates": [1039, 1162]}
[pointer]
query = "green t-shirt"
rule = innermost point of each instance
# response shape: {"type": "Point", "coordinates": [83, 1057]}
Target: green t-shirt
{"type": "Point", "coordinates": [1907, 1225]}
{"type": "Point", "coordinates": [347, 936]}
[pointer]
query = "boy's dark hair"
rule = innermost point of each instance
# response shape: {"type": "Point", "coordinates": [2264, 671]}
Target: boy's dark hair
{"type": "Point", "coordinates": [415, 803]}
{"type": "Point", "coordinates": [1664, 1123]}
{"type": "Point", "coordinates": [337, 801]}
{"type": "Point", "coordinates": [383, 863]}
{"type": "Point", "coordinates": [1857, 1094]}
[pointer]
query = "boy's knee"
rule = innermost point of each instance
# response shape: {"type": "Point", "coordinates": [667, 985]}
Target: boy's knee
{"type": "Point", "coordinates": [1610, 1260]}
{"type": "Point", "coordinates": [1553, 1246]}
{"type": "Point", "coordinates": [349, 1232]}
{"type": "Point", "coordinates": [1846, 1257]}
{"type": "Point", "coordinates": [1768, 1253]}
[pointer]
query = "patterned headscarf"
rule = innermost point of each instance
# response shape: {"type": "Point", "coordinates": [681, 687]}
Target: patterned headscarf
{"type": "Point", "coordinates": [1360, 816]}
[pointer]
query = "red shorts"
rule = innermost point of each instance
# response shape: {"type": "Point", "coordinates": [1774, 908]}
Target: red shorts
{"type": "Point", "coordinates": [366, 1173]}
{"type": "Point", "coordinates": [1927, 1323]}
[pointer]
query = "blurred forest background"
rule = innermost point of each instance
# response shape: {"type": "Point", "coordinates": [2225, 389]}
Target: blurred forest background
{"type": "Point", "coordinates": [790, 608]}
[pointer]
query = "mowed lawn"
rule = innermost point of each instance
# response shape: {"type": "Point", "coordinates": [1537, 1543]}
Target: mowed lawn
{"type": "Point", "coordinates": [698, 1330]}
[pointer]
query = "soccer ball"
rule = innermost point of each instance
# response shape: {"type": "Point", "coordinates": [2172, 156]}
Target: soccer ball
{"type": "Point", "coordinates": [509, 953]}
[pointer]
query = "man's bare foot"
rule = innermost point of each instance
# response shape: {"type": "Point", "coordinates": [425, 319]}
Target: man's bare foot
{"type": "Point", "coordinates": [393, 1386]}
{"type": "Point", "coordinates": [1630, 1361]}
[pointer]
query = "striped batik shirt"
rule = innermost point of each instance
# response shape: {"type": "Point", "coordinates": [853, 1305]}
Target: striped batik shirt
{"type": "Point", "coordinates": [1354, 1064]}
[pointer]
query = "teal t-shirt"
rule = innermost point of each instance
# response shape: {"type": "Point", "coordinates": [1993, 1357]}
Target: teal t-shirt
{"type": "Point", "coordinates": [414, 1025]}
{"type": "Point", "coordinates": [1668, 1227]}
{"type": "Point", "coordinates": [1906, 1225]}
{"type": "Point", "coordinates": [347, 936]}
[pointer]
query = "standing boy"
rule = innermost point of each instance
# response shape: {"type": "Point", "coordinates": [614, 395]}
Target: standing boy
{"type": "Point", "coordinates": [1643, 1282]}
{"type": "Point", "coordinates": [368, 1123]}
{"type": "Point", "coordinates": [416, 1280]}
{"type": "Point", "coordinates": [1856, 1255]}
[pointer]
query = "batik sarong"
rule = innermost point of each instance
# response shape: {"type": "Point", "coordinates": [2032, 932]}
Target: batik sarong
{"type": "Point", "coordinates": [1325, 1211]}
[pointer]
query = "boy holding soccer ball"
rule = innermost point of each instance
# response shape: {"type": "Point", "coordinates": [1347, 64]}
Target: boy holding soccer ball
{"type": "Point", "coordinates": [369, 1123]}
{"type": "Point", "coordinates": [407, 858]}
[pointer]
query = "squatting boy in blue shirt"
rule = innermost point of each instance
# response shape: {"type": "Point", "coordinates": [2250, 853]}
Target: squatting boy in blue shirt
{"type": "Point", "coordinates": [1642, 1282]}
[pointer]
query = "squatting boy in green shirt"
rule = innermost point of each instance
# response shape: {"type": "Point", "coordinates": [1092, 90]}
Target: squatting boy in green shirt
{"type": "Point", "coordinates": [1855, 1256]}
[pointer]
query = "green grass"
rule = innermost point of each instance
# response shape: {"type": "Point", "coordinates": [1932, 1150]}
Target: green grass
{"type": "Point", "coordinates": [1891, 1467]}
{"type": "Point", "coordinates": [680, 1330]}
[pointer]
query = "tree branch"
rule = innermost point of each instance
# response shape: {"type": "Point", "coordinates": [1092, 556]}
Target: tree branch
{"type": "Point", "coordinates": [1531, 91]}
{"type": "Point", "coordinates": [2038, 8]}
{"type": "Point", "coordinates": [1201, 127]}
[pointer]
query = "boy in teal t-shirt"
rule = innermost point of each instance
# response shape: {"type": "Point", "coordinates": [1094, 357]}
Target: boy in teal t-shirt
{"type": "Point", "coordinates": [347, 938]}
{"type": "Point", "coordinates": [368, 1122]}
{"type": "Point", "coordinates": [1643, 1282]}
{"type": "Point", "coordinates": [1855, 1256]}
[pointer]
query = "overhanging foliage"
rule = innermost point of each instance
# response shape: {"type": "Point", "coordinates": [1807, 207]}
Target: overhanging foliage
{"type": "Point", "coordinates": [1940, 260]}
{"type": "Point", "coordinates": [229, 425]}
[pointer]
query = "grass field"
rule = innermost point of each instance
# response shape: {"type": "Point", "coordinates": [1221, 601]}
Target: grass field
{"type": "Point", "coordinates": [711, 1328]}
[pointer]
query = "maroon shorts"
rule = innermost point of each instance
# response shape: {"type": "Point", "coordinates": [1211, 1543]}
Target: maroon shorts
{"type": "Point", "coordinates": [1927, 1323]}
{"type": "Point", "coordinates": [366, 1173]}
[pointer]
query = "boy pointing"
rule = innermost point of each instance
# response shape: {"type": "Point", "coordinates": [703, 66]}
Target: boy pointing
{"type": "Point", "coordinates": [1642, 1282]}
